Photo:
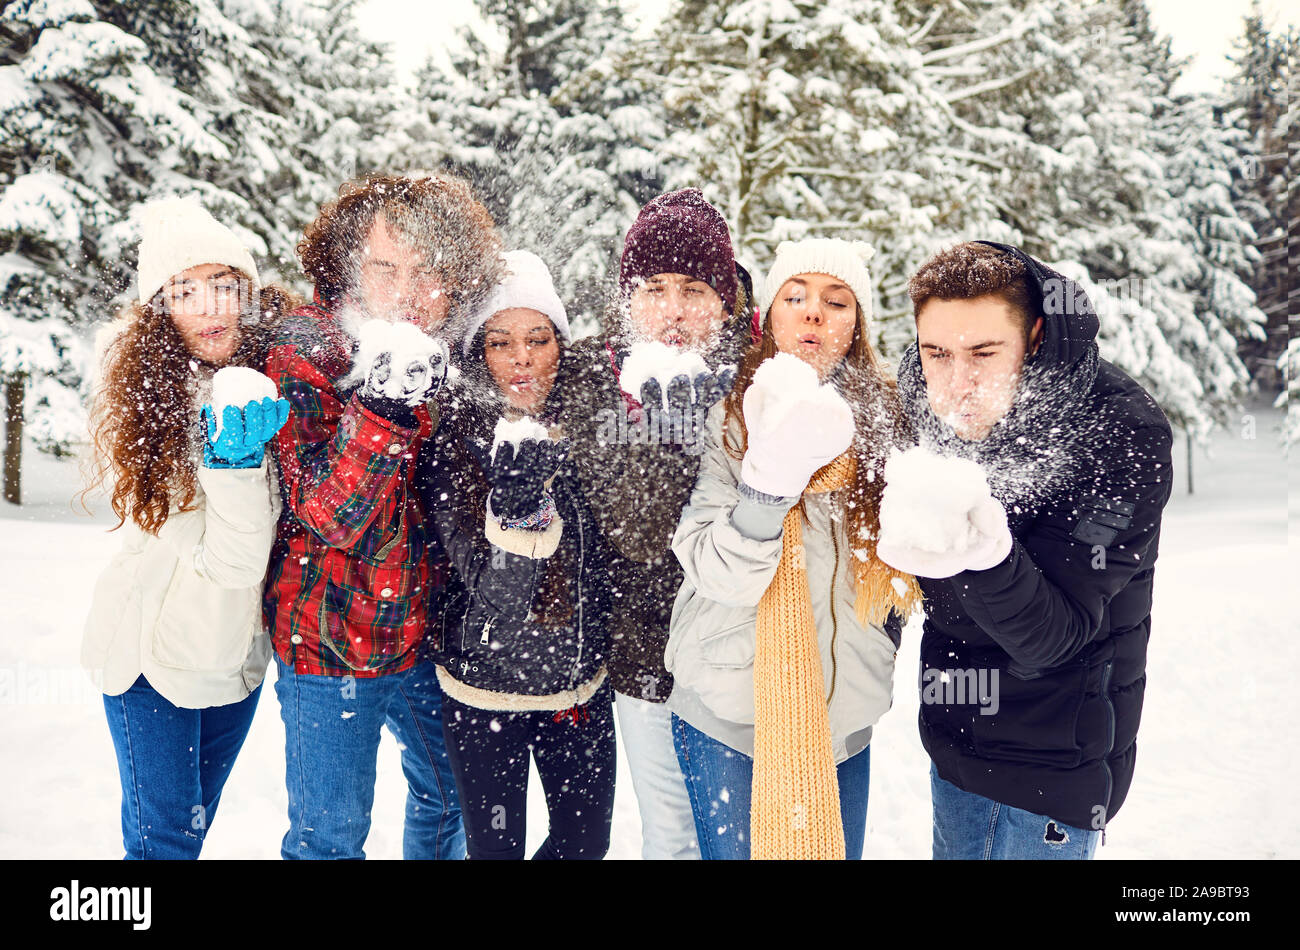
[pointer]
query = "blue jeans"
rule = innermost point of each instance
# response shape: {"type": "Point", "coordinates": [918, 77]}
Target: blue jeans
{"type": "Point", "coordinates": [173, 763]}
{"type": "Point", "coordinates": [970, 827]}
{"type": "Point", "coordinates": [719, 780]}
{"type": "Point", "coordinates": [331, 732]}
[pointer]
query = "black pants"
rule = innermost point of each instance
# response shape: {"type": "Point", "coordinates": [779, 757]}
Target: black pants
{"type": "Point", "coordinates": [575, 759]}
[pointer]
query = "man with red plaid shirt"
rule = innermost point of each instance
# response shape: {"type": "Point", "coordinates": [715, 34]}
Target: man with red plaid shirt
{"type": "Point", "coordinates": [353, 573]}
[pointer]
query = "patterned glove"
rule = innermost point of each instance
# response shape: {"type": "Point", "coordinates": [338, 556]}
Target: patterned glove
{"type": "Point", "coordinates": [687, 408]}
{"type": "Point", "coordinates": [519, 477]}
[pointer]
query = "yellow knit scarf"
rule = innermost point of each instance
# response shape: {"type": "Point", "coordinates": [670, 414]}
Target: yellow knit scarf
{"type": "Point", "coordinates": [795, 803]}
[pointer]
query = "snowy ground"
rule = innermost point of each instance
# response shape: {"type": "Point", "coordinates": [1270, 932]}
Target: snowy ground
{"type": "Point", "coordinates": [1216, 773]}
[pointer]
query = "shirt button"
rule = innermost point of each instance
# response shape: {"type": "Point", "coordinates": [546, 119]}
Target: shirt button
{"type": "Point", "coordinates": [386, 592]}
{"type": "Point", "coordinates": [395, 448]}
{"type": "Point", "coordinates": [296, 639]}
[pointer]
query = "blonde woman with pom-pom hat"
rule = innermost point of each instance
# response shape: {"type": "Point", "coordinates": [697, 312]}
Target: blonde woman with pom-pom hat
{"type": "Point", "coordinates": [784, 634]}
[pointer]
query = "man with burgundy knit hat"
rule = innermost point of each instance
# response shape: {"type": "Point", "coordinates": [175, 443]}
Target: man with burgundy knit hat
{"type": "Point", "coordinates": [679, 285]}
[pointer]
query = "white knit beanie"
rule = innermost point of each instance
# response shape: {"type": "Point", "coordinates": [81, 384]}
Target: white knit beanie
{"type": "Point", "coordinates": [177, 234]}
{"type": "Point", "coordinates": [527, 284]}
{"type": "Point", "coordinates": [846, 260]}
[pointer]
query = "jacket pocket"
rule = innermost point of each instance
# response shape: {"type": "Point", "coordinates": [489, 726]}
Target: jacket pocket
{"type": "Point", "coordinates": [370, 614]}
{"type": "Point", "coordinates": [115, 613]}
{"type": "Point", "coordinates": [730, 648]}
{"type": "Point", "coordinates": [1035, 721]}
{"type": "Point", "coordinates": [202, 627]}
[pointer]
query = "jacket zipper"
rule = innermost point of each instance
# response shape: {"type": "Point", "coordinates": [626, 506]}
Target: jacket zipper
{"type": "Point", "coordinates": [835, 626]}
{"type": "Point", "coordinates": [487, 628]}
{"type": "Point", "coordinates": [577, 666]}
{"type": "Point", "coordinates": [1110, 744]}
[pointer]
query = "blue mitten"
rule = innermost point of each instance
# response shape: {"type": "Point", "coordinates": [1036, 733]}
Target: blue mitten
{"type": "Point", "coordinates": [244, 433]}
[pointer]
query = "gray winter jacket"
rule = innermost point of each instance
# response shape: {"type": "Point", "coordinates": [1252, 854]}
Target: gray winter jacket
{"type": "Point", "coordinates": [711, 637]}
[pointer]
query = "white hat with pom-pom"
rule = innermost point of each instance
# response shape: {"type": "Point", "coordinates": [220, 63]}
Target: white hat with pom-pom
{"type": "Point", "coordinates": [179, 233]}
{"type": "Point", "coordinates": [846, 260]}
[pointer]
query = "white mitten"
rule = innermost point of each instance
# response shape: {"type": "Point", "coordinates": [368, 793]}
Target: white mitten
{"type": "Point", "coordinates": [399, 361]}
{"type": "Point", "coordinates": [989, 519]}
{"type": "Point", "coordinates": [938, 517]}
{"type": "Point", "coordinates": [795, 426]}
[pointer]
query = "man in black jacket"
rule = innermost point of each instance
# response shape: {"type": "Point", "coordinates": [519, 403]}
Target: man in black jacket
{"type": "Point", "coordinates": [1038, 581]}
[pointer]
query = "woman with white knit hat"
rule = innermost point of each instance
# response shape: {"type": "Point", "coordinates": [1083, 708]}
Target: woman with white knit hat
{"type": "Point", "coordinates": [784, 634]}
{"type": "Point", "coordinates": [520, 640]}
{"type": "Point", "coordinates": [175, 637]}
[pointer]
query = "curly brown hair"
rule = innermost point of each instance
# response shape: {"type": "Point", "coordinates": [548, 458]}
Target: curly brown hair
{"type": "Point", "coordinates": [970, 270]}
{"type": "Point", "coordinates": [144, 431]}
{"type": "Point", "coordinates": [880, 425]}
{"type": "Point", "coordinates": [439, 214]}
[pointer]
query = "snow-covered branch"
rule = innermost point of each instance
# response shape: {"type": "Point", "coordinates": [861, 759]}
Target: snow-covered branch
{"type": "Point", "coordinates": [989, 85]}
{"type": "Point", "coordinates": [975, 46]}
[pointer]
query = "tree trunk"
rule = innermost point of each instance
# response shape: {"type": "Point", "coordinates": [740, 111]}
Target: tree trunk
{"type": "Point", "coordinates": [1189, 461]}
{"type": "Point", "coordinates": [15, 390]}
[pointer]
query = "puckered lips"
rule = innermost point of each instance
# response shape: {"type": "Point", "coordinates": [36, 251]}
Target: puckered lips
{"type": "Point", "coordinates": [215, 331]}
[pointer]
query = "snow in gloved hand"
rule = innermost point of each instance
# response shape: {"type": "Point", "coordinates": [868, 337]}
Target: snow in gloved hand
{"type": "Point", "coordinates": [512, 433]}
{"type": "Point", "coordinates": [661, 362]}
{"type": "Point", "coordinates": [795, 423]}
{"type": "Point", "coordinates": [938, 517]}
{"type": "Point", "coordinates": [676, 389]}
{"type": "Point", "coordinates": [927, 500]}
{"type": "Point", "coordinates": [238, 386]}
{"type": "Point", "coordinates": [399, 361]}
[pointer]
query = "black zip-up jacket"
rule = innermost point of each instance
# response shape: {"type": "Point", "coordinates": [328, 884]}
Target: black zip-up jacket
{"type": "Point", "coordinates": [1063, 621]}
{"type": "Point", "coordinates": [486, 632]}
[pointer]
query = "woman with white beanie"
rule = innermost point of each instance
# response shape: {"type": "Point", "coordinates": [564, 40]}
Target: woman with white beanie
{"type": "Point", "coordinates": [784, 633]}
{"type": "Point", "coordinates": [175, 637]}
{"type": "Point", "coordinates": [520, 639]}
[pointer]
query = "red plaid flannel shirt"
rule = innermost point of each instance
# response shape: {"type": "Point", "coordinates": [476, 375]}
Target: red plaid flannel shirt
{"type": "Point", "coordinates": [350, 580]}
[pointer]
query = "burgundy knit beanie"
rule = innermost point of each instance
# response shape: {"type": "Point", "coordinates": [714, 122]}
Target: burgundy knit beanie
{"type": "Point", "coordinates": [680, 233]}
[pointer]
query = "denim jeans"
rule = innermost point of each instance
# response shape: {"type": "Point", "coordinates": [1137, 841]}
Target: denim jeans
{"type": "Point", "coordinates": [667, 821]}
{"type": "Point", "coordinates": [719, 779]}
{"type": "Point", "coordinates": [971, 827]}
{"type": "Point", "coordinates": [331, 729]}
{"type": "Point", "coordinates": [173, 763]}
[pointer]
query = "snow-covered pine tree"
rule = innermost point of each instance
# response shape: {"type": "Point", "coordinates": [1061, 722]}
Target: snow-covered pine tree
{"type": "Point", "coordinates": [357, 89]}
{"type": "Point", "coordinates": [1264, 59]}
{"type": "Point", "coordinates": [92, 123]}
{"type": "Point", "coordinates": [808, 119]}
{"type": "Point", "coordinates": [1199, 143]}
{"type": "Point", "coordinates": [560, 157]}
{"type": "Point", "coordinates": [1200, 165]}
{"type": "Point", "coordinates": [1056, 105]}
{"type": "Point", "coordinates": [305, 100]}
{"type": "Point", "coordinates": [601, 164]}
{"type": "Point", "coordinates": [1289, 361]}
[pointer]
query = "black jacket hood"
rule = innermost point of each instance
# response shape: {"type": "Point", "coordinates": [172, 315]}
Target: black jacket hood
{"type": "Point", "coordinates": [1070, 323]}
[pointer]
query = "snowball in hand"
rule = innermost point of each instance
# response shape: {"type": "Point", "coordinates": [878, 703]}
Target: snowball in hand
{"type": "Point", "coordinates": [398, 360]}
{"type": "Point", "coordinates": [782, 382]}
{"type": "Point", "coordinates": [927, 502]}
{"type": "Point", "coordinates": [515, 432]}
{"type": "Point", "coordinates": [238, 386]}
{"type": "Point", "coordinates": [796, 425]}
{"type": "Point", "coordinates": [659, 361]}
{"type": "Point", "coordinates": [405, 342]}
